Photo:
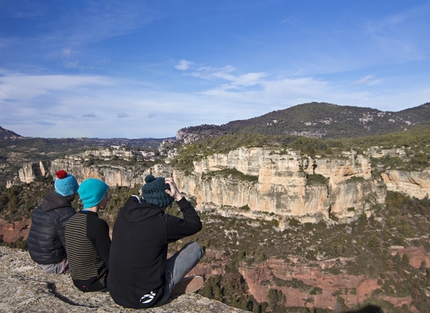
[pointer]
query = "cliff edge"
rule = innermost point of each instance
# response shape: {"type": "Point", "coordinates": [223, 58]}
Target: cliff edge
{"type": "Point", "coordinates": [26, 288]}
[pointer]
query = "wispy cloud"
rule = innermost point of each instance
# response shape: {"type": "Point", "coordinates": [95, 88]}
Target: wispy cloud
{"type": "Point", "coordinates": [67, 52]}
{"type": "Point", "coordinates": [99, 22]}
{"type": "Point", "coordinates": [365, 80]}
{"type": "Point", "coordinates": [183, 65]}
{"type": "Point", "coordinates": [393, 39]}
{"type": "Point", "coordinates": [21, 87]}
{"type": "Point", "coordinates": [227, 74]}
{"type": "Point", "coordinates": [88, 65]}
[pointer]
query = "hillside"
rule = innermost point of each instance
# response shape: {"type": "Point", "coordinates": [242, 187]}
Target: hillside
{"type": "Point", "coordinates": [7, 134]}
{"type": "Point", "coordinates": [321, 120]}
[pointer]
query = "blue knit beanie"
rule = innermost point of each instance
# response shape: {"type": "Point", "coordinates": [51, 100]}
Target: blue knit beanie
{"type": "Point", "coordinates": [65, 184]}
{"type": "Point", "coordinates": [92, 191]}
{"type": "Point", "coordinates": [154, 191]}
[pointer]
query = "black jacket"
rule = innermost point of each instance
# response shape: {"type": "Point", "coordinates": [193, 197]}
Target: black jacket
{"type": "Point", "coordinates": [46, 241]}
{"type": "Point", "coordinates": [138, 251]}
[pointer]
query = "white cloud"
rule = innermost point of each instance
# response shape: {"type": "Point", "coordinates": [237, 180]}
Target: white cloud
{"type": "Point", "coordinates": [67, 52]}
{"type": "Point", "coordinates": [20, 87]}
{"type": "Point", "coordinates": [227, 73]}
{"type": "Point", "coordinates": [46, 101]}
{"type": "Point", "coordinates": [183, 65]}
{"type": "Point", "coordinates": [210, 73]}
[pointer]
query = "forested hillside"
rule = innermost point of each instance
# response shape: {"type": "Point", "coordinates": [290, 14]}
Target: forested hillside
{"type": "Point", "coordinates": [322, 120]}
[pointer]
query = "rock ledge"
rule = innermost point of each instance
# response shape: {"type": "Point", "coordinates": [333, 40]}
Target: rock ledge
{"type": "Point", "coordinates": [26, 288]}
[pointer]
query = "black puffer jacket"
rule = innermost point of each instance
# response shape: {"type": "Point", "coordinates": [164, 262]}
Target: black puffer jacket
{"type": "Point", "coordinates": [46, 242]}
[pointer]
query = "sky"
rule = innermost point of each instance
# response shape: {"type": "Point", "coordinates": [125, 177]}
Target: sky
{"type": "Point", "coordinates": [147, 68]}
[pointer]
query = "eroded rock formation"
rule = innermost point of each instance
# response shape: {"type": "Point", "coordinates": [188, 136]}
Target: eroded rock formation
{"type": "Point", "coordinates": [283, 183]}
{"type": "Point", "coordinates": [260, 182]}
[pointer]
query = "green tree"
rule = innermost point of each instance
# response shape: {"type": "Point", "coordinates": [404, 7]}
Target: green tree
{"type": "Point", "coordinates": [276, 299]}
{"type": "Point", "coordinates": [405, 259]}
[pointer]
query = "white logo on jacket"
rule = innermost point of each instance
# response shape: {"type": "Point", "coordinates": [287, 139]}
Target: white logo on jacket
{"type": "Point", "coordinates": [148, 297]}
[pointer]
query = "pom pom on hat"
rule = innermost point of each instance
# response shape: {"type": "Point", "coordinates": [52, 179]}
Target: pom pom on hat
{"type": "Point", "coordinates": [65, 184]}
{"type": "Point", "coordinates": [61, 174]}
{"type": "Point", "coordinates": [92, 191]}
{"type": "Point", "coordinates": [154, 191]}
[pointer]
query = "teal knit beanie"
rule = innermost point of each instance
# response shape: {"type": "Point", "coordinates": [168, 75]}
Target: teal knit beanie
{"type": "Point", "coordinates": [65, 184]}
{"type": "Point", "coordinates": [92, 191]}
{"type": "Point", "coordinates": [154, 191]}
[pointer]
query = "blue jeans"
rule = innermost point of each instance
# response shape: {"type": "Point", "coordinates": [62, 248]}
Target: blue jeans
{"type": "Point", "coordinates": [178, 265]}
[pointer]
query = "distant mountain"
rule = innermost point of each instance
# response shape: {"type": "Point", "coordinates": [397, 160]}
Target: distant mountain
{"type": "Point", "coordinates": [145, 143]}
{"type": "Point", "coordinates": [7, 134]}
{"type": "Point", "coordinates": [322, 120]}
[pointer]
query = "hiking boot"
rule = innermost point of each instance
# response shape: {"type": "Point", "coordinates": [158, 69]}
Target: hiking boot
{"type": "Point", "coordinates": [188, 284]}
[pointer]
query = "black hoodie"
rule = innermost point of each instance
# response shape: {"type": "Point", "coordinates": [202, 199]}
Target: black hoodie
{"type": "Point", "coordinates": [138, 251]}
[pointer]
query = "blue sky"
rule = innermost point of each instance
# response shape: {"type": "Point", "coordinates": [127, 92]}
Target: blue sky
{"type": "Point", "coordinates": [140, 68]}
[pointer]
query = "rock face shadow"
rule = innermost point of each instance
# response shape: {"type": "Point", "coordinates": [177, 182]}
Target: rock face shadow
{"type": "Point", "coordinates": [368, 309]}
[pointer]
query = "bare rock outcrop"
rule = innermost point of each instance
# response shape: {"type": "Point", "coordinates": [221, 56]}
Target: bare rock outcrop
{"type": "Point", "coordinates": [309, 285]}
{"type": "Point", "coordinates": [412, 183]}
{"type": "Point", "coordinates": [30, 171]}
{"type": "Point", "coordinates": [282, 183]}
{"type": "Point", "coordinates": [11, 231]}
{"type": "Point", "coordinates": [26, 288]}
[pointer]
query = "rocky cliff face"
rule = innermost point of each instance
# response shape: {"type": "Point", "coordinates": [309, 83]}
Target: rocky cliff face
{"type": "Point", "coordinates": [114, 166]}
{"type": "Point", "coordinates": [416, 184]}
{"type": "Point", "coordinates": [310, 285]}
{"type": "Point", "coordinates": [30, 171]}
{"type": "Point", "coordinates": [285, 184]}
{"type": "Point", "coordinates": [259, 182]}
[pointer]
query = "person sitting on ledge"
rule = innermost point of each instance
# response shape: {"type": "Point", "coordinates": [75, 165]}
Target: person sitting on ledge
{"type": "Point", "coordinates": [87, 238]}
{"type": "Point", "coordinates": [46, 241]}
{"type": "Point", "coordinates": [140, 275]}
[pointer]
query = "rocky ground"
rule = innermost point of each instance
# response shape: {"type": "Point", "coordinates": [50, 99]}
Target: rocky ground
{"type": "Point", "coordinates": [26, 288]}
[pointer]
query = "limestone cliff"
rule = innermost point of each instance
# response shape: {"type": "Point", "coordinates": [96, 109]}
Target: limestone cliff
{"type": "Point", "coordinates": [30, 171]}
{"type": "Point", "coordinates": [416, 184]}
{"type": "Point", "coordinates": [259, 182]}
{"type": "Point", "coordinates": [282, 184]}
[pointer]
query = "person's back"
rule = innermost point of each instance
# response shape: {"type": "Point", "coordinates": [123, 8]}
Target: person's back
{"type": "Point", "coordinates": [87, 239]}
{"type": "Point", "coordinates": [139, 251]}
{"type": "Point", "coordinates": [140, 275]}
{"type": "Point", "coordinates": [46, 240]}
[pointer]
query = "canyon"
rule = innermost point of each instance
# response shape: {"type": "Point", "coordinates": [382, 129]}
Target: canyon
{"type": "Point", "coordinates": [267, 184]}
{"type": "Point", "coordinates": [260, 183]}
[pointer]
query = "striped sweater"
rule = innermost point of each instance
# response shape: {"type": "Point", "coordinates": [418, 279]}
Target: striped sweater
{"type": "Point", "coordinates": [87, 246]}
